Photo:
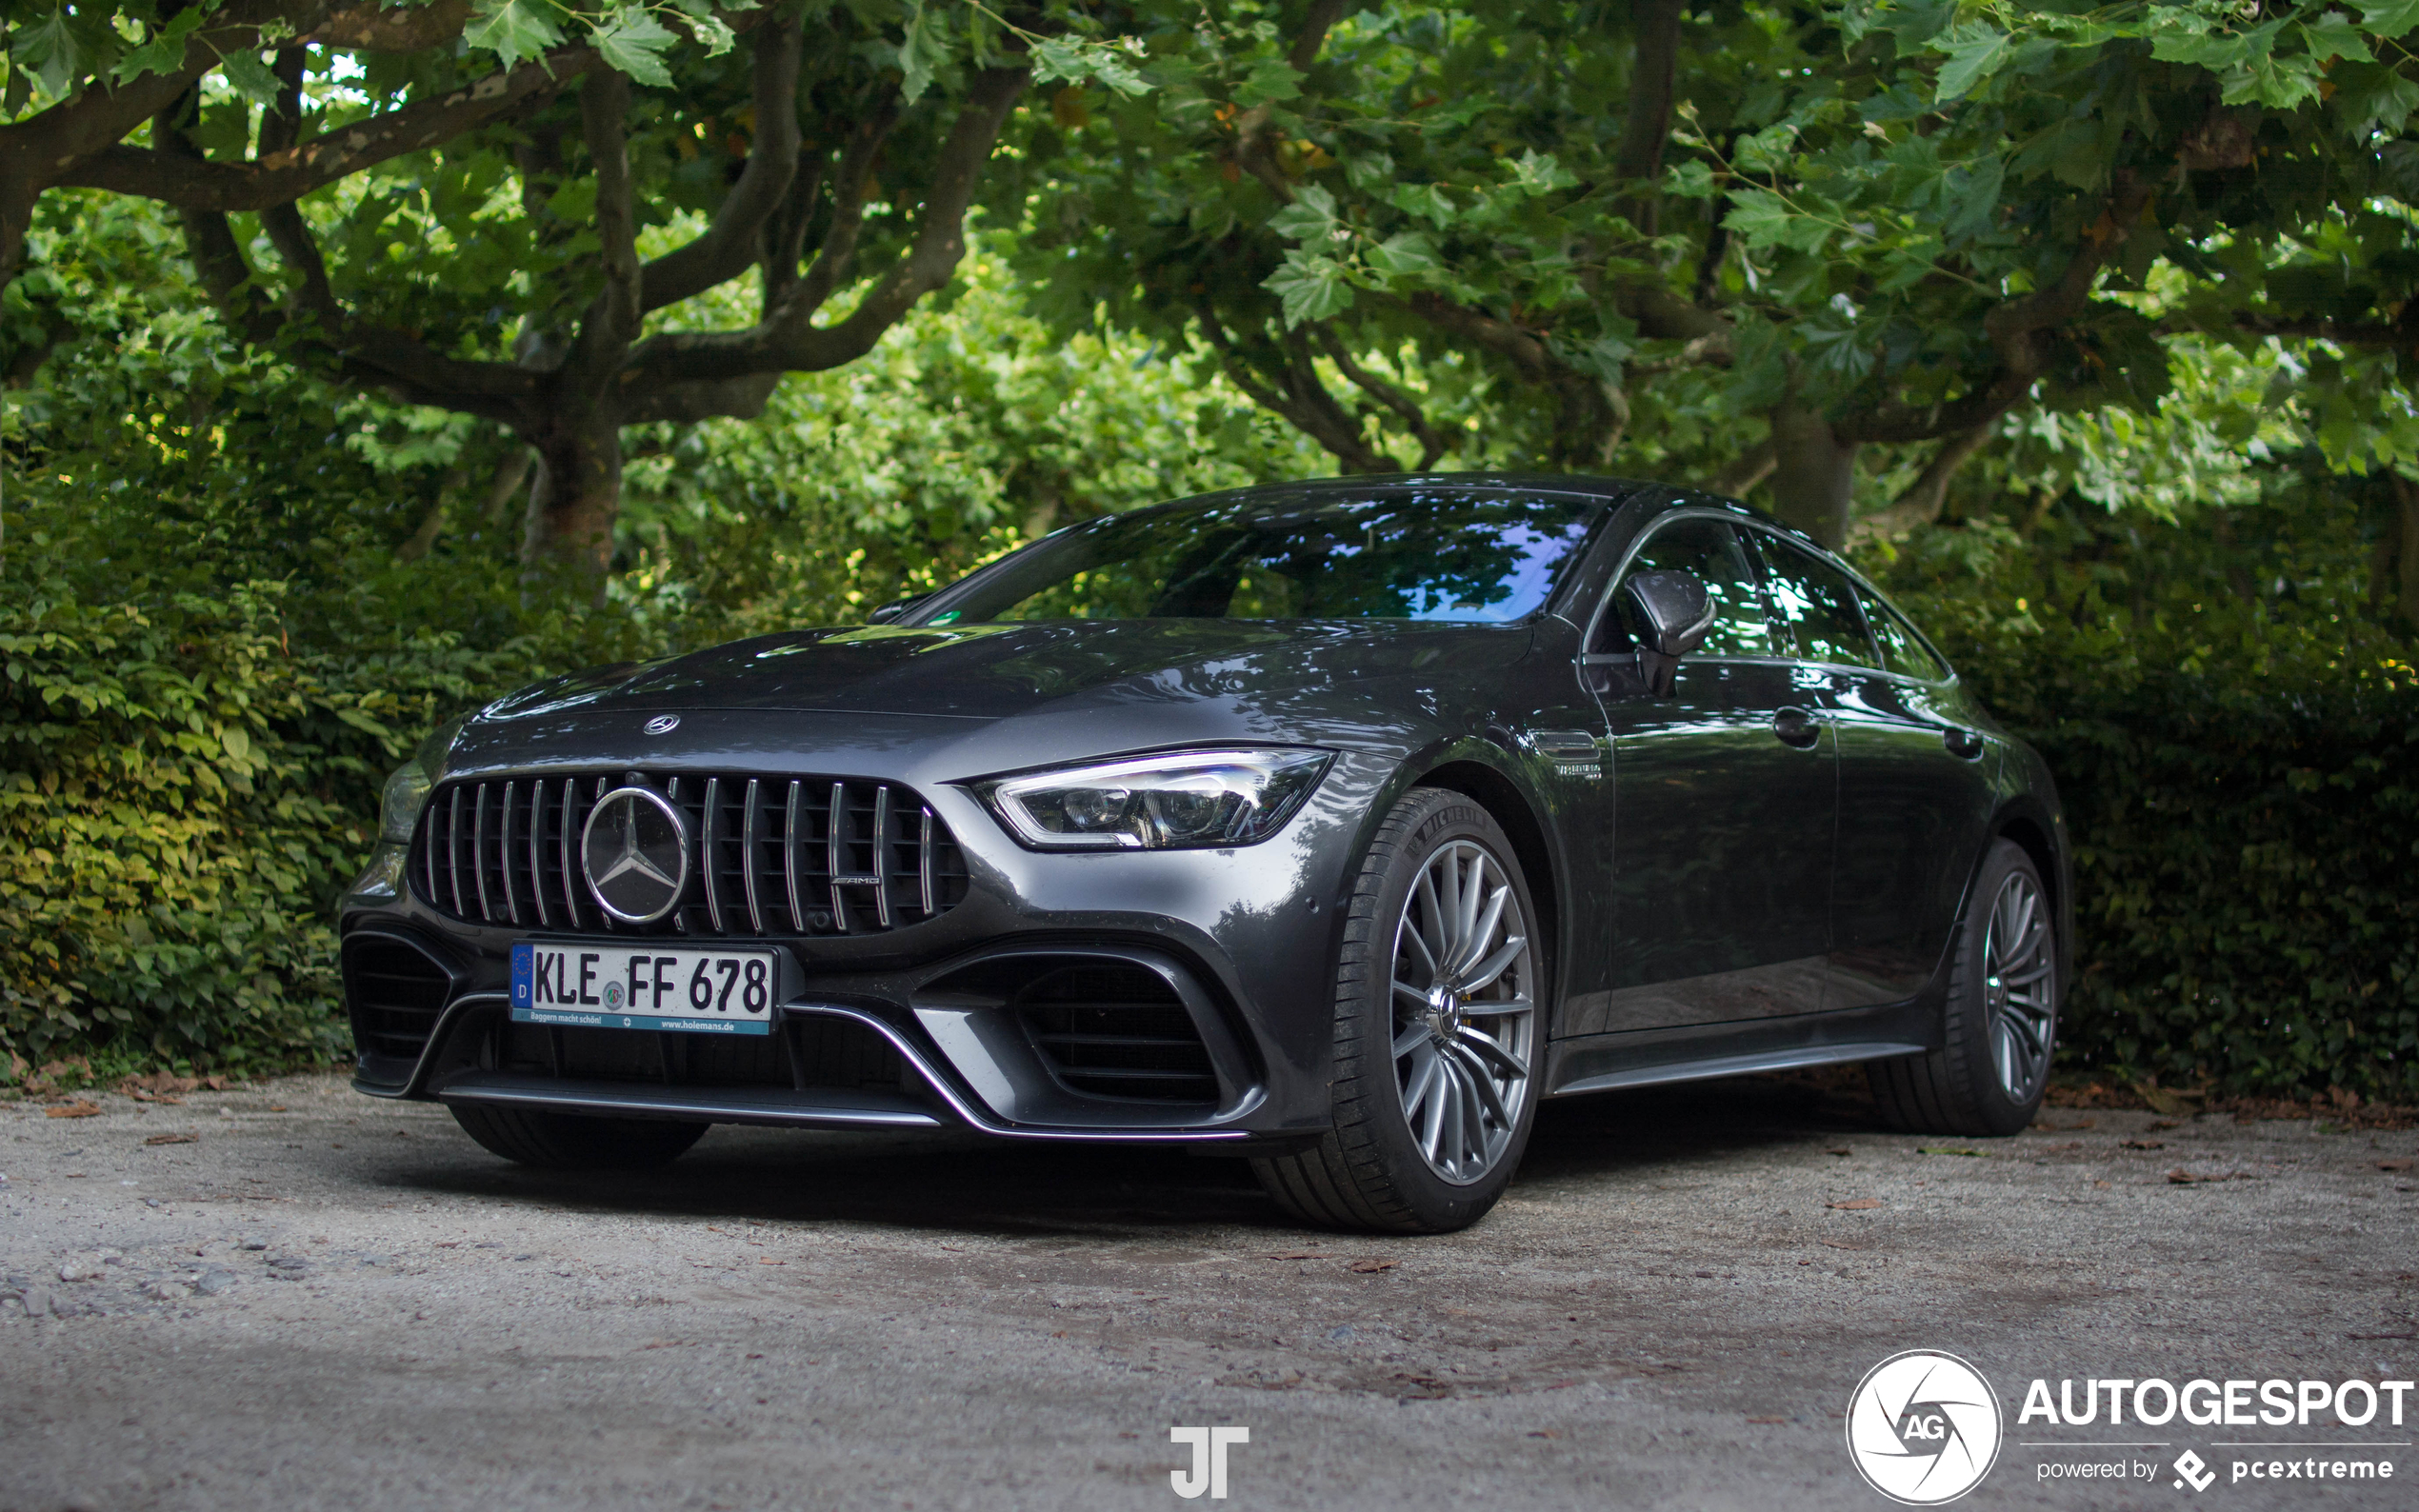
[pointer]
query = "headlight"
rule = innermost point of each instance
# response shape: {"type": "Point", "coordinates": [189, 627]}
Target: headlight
{"type": "Point", "coordinates": [406, 794]}
{"type": "Point", "coordinates": [1188, 799]}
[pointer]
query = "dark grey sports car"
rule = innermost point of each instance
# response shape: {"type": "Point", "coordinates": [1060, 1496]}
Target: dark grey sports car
{"type": "Point", "coordinates": [1329, 825]}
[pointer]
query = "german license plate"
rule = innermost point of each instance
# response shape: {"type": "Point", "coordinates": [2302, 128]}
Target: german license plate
{"type": "Point", "coordinates": [644, 987]}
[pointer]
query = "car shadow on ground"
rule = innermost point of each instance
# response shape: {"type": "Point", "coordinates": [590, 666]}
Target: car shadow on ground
{"type": "Point", "coordinates": [967, 1183]}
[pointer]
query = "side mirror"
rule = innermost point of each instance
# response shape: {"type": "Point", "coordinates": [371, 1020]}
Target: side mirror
{"type": "Point", "coordinates": [891, 611]}
{"type": "Point", "coordinates": [1667, 614]}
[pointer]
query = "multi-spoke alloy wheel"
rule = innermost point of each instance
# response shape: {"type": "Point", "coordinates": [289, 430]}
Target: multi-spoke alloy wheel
{"type": "Point", "coordinates": [1464, 1013]}
{"type": "Point", "coordinates": [2020, 993]}
{"type": "Point", "coordinates": [1999, 1024]}
{"type": "Point", "coordinates": [1440, 1005]}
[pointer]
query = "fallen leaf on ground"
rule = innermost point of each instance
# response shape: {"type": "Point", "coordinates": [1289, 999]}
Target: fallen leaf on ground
{"type": "Point", "coordinates": [762, 1261]}
{"type": "Point", "coordinates": [1947, 1149]}
{"type": "Point", "coordinates": [1303, 1254]}
{"type": "Point", "coordinates": [1856, 1205]}
{"type": "Point", "coordinates": [1370, 1267]}
{"type": "Point", "coordinates": [1545, 1433]}
{"type": "Point", "coordinates": [1839, 1153]}
{"type": "Point", "coordinates": [71, 1110]}
{"type": "Point", "coordinates": [2393, 1165]}
{"type": "Point", "coordinates": [2183, 1178]}
{"type": "Point", "coordinates": [173, 1139]}
{"type": "Point", "coordinates": [2143, 1144]}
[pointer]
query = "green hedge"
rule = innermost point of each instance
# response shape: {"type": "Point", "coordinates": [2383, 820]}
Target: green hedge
{"type": "Point", "coordinates": [2247, 860]}
{"type": "Point", "coordinates": [181, 798]}
{"type": "Point", "coordinates": [182, 795]}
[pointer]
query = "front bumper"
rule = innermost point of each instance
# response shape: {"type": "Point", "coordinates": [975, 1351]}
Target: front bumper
{"type": "Point", "coordinates": [934, 1024]}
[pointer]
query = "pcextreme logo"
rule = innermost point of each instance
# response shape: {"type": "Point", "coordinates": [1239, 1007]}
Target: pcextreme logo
{"type": "Point", "coordinates": [1923, 1428]}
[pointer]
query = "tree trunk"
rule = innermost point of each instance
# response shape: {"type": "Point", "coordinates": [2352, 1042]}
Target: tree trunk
{"type": "Point", "coordinates": [2407, 549]}
{"type": "Point", "coordinates": [1813, 474]}
{"type": "Point", "coordinates": [574, 500]}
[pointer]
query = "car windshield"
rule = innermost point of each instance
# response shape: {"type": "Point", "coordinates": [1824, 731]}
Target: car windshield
{"type": "Point", "coordinates": [1457, 555]}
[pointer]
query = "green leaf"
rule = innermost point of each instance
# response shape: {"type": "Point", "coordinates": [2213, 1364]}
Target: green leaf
{"type": "Point", "coordinates": [2332, 35]}
{"type": "Point", "coordinates": [1310, 218]}
{"type": "Point", "coordinates": [1270, 79]}
{"type": "Point", "coordinates": [1691, 180]}
{"type": "Point", "coordinates": [709, 30]}
{"type": "Point", "coordinates": [514, 30]}
{"type": "Point", "coordinates": [1311, 288]}
{"type": "Point", "coordinates": [239, 741]}
{"type": "Point", "coordinates": [2389, 18]}
{"type": "Point", "coordinates": [1539, 172]}
{"type": "Point", "coordinates": [164, 53]}
{"type": "Point", "coordinates": [1976, 51]}
{"type": "Point", "coordinates": [919, 55]}
{"type": "Point", "coordinates": [634, 42]}
{"type": "Point", "coordinates": [1404, 252]}
{"type": "Point", "coordinates": [51, 50]}
{"type": "Point", "coordinates": [251, 77]}
{"type": "Point", "coordinates": [1762, 218]}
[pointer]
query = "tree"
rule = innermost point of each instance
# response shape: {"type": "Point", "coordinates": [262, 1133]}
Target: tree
{"type": "Point", "coordinates": [473, 241]}
{"type": "Point", "coordinates": [1757, 240]}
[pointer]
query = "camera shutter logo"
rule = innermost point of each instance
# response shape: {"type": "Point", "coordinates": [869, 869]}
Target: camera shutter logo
{"type": "Point", "coordinates": [1923, 1428]}
{"type": "Point", "coordinates": [635, 851]}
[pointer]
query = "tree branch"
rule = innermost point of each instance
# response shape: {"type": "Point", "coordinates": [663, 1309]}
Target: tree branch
{"type": "Point", "coordinates": [612, 319]}
{"type": "Point", "coordinates": [838, 251]}
{"type": "Point", "coordinates": [728, 247]}
{"type": "Point", "coordinates": [1920, 504]}
{"type": "Point", "coordinates": [1251, 127]}
{"type": "Point", "coordinates": [404, 29]}
{"type": "Point", "coordinates": [787, 341]}
{"type": "Point", "coordinates": [291, 172]}
{"type": "Point", "coordinates": [1639, 156]}
{"type": "Point", "coordinates": [1432, 444]}
{"type": "Point", "coordinates": [1296, 397]}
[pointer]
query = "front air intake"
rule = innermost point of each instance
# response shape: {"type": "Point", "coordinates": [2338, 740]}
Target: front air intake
{"type": "Point", "coordinates": [394, 991]}
{"type": "Point", "coordinates": [1110, 1028]}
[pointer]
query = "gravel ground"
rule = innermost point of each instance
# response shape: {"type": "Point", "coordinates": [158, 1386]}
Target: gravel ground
{"type": "Point", "coordinates": [292, 1296]}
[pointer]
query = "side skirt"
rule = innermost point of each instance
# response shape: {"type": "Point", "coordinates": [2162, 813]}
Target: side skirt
{"type": "Point", "coordinates": [1600, 1063]}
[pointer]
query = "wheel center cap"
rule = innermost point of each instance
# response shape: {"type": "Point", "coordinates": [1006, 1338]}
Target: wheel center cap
{"type": "Point", "coordinates": [1444, 1013]}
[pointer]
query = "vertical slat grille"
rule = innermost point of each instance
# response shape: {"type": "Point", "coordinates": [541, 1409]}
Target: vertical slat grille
{"type": "Point", "coordinates": [773, 855]}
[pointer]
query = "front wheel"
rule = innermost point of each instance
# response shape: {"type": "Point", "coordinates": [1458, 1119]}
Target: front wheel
{"type": "Point", "coordinates": [2002, 1022]}
{"type": "Point", "coordinates": [1437, 1031]}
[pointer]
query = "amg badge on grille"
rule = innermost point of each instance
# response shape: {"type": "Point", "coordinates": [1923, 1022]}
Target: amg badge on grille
{"type": "Point", "coordinates": [635, 853]}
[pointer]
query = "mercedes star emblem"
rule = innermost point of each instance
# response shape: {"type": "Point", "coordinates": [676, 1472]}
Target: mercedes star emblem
{"type": "Point", "coordinates": [635, 852]}
{"type": "Point", "coordinates": [663, 723]}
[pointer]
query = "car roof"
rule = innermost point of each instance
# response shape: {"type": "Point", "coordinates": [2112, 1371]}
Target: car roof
{"type": "Point", "coordinates": [1649, 497]}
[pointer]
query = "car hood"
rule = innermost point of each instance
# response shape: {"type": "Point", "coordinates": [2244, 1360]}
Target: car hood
{"type": "Point", "coordinates": [994, 671]}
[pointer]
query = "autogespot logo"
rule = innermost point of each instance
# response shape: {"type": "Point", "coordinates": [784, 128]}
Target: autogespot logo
{"type": "Point", "coordinates": [1923, 1427]}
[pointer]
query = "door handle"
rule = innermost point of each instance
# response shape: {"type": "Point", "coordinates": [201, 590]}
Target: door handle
{"type": "Point", "coordinates": [1962, 742]}
{"type": "Point", "coordinates": [1795, 727]}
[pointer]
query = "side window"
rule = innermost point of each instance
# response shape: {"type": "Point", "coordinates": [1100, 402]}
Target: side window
{"type": "Point", "coordinates": [1903, 650]}
{"type": "Point", "coordinates": [1709, 549]}
{"type": "Point", "coordinates": [1814, 610]}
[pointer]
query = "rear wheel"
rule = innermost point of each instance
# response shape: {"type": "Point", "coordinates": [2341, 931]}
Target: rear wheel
{"type": "Point", "coordinates": [1993, 1064]}
{"type": "Point", "coordinates": [1437, 1031]}
{"type": "Point", "coordinates": [572, 1142]}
